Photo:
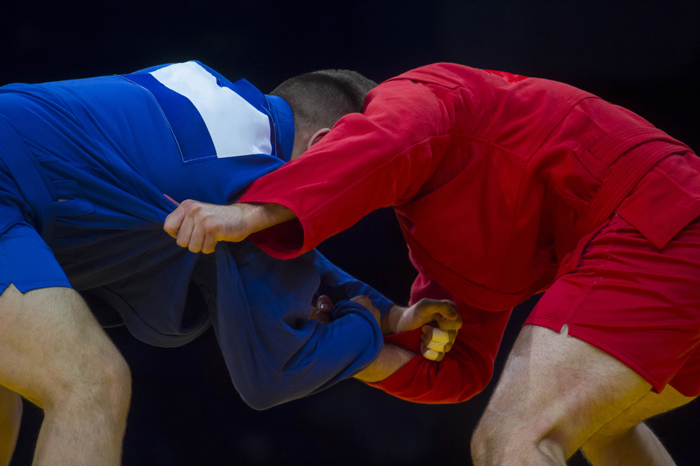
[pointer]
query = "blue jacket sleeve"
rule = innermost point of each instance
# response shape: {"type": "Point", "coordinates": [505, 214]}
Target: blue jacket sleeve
{"type": "Point", "coordinates": [274, 353]}
{"type": "Point", "coordinates": [339, 286]}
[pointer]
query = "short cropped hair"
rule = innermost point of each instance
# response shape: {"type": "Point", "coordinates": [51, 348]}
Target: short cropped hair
{"type": "Point", "coordinates": [320, 98]}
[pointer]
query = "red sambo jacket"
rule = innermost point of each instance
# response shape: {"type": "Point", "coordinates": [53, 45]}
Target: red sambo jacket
{"type": "Point", "coordinates": [498, 182]}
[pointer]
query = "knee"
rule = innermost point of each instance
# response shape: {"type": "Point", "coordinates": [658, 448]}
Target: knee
{"type": "Point", "coordinates": [110, 377]}
{"type": "Point", "coordinates": [101, 379]}
{"type": "Point", "coordinates": [115, 379]}
{"type": "Point", "coordinates": [479, 445]}
{"type": "Point", "coordinates": [495, 439]}
{"type": "Point", "coordinates": [487, 437]}
{"type": "Point", "coordinates": [502, 439]}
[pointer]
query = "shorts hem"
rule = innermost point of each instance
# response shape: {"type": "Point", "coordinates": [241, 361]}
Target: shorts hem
{"type": "Point", "coordinates": [23, 287]}
{"type": "Point", "coordinates": [689, 393]}
{"type": "Point", "coordinates": [582, 335]}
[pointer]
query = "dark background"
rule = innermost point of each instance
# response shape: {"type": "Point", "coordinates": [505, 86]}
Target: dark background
{"type": "Point", "coordinates": [643, 55]}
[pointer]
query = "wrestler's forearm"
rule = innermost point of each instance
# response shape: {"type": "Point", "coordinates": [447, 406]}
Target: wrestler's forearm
{"type": "Point", "coordinates": [198, 226]}
{"type": "Point", "coordinates": [261, 216]}
{"type": "Point", "coordinates": [391, 359]}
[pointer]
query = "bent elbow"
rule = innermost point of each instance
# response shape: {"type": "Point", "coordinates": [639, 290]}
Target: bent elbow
{"type": "Point", "coordinates": [474, 386]}
{"type": "Point", "coordinates": [465, 395]}
{"type": "Point", "coordinates": [262, 399]}
{"type": "Point", "coordinates": [264, 392]}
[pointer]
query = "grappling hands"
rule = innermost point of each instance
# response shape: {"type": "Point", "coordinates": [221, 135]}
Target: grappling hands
{"type": "Point", "coordinates": [199, 226]}
{"type": "Point", "coordinates": [324, 306]}
{"type": "Point", "coordinates": [436, 341]}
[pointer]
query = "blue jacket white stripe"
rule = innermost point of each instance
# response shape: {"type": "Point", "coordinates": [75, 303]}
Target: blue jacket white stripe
{"type": "Point", "coordinates": [109, 147]}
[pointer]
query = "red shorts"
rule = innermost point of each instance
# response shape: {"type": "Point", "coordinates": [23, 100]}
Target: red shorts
{"type": "Point", "coordinates": [636, 302]}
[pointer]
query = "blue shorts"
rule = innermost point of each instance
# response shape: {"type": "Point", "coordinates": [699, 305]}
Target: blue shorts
{"type": "Point", "coordinates": [27, 262]}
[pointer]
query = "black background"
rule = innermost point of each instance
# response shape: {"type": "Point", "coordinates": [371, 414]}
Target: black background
{"type": "Point", "coordinates": [639, 54]}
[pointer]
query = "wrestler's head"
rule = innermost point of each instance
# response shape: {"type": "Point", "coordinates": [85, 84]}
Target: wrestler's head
{"type": "Point", "coordinates": [319, 99]}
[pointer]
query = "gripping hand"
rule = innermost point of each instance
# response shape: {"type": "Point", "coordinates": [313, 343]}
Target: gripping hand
{"type": "Point", "coordinates": [436, 340]}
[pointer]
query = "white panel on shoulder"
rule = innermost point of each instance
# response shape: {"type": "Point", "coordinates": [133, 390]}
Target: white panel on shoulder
{"type": "Point", "coordinates": [236, 127]}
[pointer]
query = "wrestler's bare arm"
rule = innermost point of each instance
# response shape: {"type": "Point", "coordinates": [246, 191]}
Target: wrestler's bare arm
{"type": "Point", "coordinates": [437, 341]}
{"type": "Point", "coordinates": [199, 226]}
{"type": "Point", "coordinates": [391, 359]}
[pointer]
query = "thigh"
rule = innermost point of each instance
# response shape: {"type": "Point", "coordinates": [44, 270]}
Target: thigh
{"type": "Point", "coordinates": [50, 344]}
{"type": "Point", "coordinates": [555, 389]}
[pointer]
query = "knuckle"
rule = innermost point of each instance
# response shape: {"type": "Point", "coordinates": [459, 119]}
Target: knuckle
{"type": "Point", "coordinates": [450, 326]}
{"type": "Point", "coordinates": [430, 354]}
{"type": "Point", "coordinates": [198, 211]}
{"type": "Point", "coordinates": [208, 223]}
{"type": "Point", "coordinates": [216, 225]}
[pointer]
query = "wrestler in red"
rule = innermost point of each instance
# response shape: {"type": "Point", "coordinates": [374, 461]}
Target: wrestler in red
{"type": "Point", "coordinates": [505, 186]}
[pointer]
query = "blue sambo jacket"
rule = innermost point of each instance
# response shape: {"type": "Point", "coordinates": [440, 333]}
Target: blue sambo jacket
{"type": "Point", "coordinates": [108, 148]}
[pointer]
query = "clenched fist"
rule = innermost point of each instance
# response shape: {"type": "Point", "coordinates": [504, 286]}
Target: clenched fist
{"type": "Point", "coordinates": [199, 226]}
{"type": "Point", "coordinates": [436, 340]}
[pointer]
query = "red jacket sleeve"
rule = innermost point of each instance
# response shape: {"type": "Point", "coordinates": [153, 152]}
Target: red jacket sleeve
{"type": "Point", "coordinates": [378, 158]}
{"type": "Point", "coordinates": [465, 370]}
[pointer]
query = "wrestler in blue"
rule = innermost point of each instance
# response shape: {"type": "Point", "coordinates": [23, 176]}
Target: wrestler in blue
{"type": "Point", "coordinates": [84, 166]}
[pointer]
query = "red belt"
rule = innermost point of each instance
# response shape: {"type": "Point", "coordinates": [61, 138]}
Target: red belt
{"type": "Point", "coordinates": [642, 148]}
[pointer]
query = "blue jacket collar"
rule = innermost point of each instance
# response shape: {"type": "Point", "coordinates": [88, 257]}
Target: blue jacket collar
{"type": "Point", "coordinates": [284, 125]}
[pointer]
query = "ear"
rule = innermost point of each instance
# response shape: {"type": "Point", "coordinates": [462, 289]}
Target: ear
{"type": "Point", "coordinates": [317, 136]}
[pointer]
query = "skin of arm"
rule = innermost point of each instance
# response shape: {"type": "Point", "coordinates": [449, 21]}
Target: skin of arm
{"type": "Point", "coordinates": [208, 224]}
{"type": "Point", "coordinates": [401, 319]}
{"type": "Point", "coordinates": [394, 134]}
{"type": "Point", "coordinates": [391, 359]}
{"type": "Point", "coordinates": [199, 226]}
{"type": "Point", "coordinates": [436, 341]}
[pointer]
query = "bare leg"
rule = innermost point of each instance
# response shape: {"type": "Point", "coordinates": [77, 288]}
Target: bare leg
{"type": "Point", "coordinates": [10, 418]}
{"type": "Point", "coordinates": [627, 441]}
{"type": "Point", "coordinates": [555, 393]}
{"type": "Point", "coordinates": [53, 352]}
